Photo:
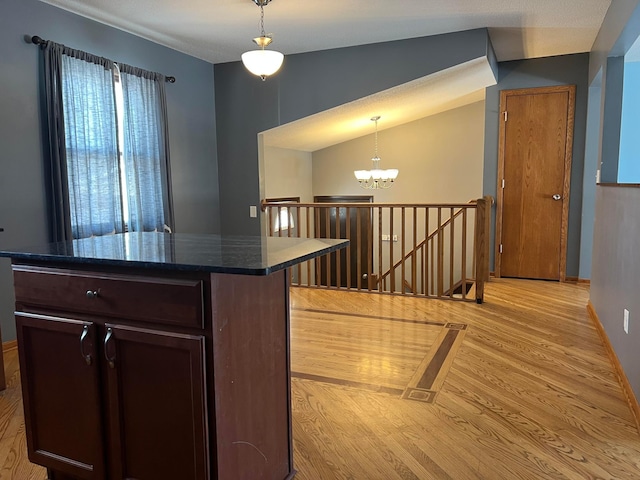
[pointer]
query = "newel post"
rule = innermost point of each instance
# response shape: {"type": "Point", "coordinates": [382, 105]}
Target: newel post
{"type": "Point", "coordinates": [482, 233]}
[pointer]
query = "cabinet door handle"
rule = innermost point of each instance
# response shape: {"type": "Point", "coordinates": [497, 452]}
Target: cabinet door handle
{"type": "Point", "coordinates": [91, 294]}
{"type": "Point", "coordinates": [83, 336]}
{"type": "Point", "coordinates": [107, 339]}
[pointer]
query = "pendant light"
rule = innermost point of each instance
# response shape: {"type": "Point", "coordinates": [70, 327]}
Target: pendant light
{"type": "Point", "coordinates": [375, 178]}
{"type": "Point", "coordinates": [262, 62]}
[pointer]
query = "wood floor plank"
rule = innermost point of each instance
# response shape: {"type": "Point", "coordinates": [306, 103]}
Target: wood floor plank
{"type": "Point", "coordinates": [529, 393]}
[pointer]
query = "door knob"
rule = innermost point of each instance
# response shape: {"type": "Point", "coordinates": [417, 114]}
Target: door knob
{"type": "Point", "coordinates": [557, 196]}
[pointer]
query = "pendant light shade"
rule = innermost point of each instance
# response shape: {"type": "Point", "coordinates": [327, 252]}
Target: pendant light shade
{"type": "Point", "coordinates": [262, 62]}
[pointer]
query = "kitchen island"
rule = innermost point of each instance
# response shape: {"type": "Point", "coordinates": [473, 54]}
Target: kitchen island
{"type": "Point", "coordinates": [156, 356]}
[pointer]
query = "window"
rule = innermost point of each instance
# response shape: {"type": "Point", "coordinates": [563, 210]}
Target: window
{"type": "Point", "coordinates": [284, 221]}
{"type": "Point", "coordinates": [281, 218]}
{"type": "Point", "coordinates": [116, 154]}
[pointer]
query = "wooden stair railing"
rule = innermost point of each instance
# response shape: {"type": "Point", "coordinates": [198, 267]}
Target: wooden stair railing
{"type": "Point", "coordinates": [423, 242]}
{"type": "Point", "coordinates": [425, 268]}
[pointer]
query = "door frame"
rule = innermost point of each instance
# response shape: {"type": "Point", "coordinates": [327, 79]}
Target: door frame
{"type": "Point", "coordinates": [564, 228]}
{"type": "Point", "coordinates": [364, 199]}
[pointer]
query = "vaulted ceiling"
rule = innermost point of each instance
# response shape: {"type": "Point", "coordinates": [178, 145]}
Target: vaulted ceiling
{"type": "Point", "coordinates": [221, 30]}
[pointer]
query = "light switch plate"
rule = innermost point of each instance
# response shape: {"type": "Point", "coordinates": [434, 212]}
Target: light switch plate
{"type": "Point", "coordinates": [626, 321]}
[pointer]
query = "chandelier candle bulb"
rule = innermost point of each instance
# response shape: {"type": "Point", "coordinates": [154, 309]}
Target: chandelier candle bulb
{"type": "Point", "coordinates": [376, 178]}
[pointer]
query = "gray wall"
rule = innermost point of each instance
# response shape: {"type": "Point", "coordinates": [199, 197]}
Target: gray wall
{"type": "Point", "coordinates": [612, 119]}
{"type": "Point", "coordinates": [309, 83]}
{"type": "Point", "coordinates": [191, 110]}
{"type": "Point", "coordinates": [615, 276]}
{"type": "Point", "coordinates": [591, 162]}
{"type": "Point", "coordinates": [616, 273]}
{"type": "Point", "coordinates": [542, 72]}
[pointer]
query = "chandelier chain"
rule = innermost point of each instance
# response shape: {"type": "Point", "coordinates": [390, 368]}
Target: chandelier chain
{"type": "Point", "coordinates": [376, 153]}
{"type": "Point", "coordinates": [262, 20]}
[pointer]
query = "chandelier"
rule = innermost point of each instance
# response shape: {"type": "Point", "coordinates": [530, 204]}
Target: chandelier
{"type": "Point", "coordinates": [376, 178]}
{"type": "Point", "coordinates": [262, 62]}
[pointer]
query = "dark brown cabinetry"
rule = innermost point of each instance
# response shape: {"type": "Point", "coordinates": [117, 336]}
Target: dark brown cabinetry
{"type": "Point", "coordinates": [156, 403]}
{"type": "Point", "coordinates": [174, 376]}
{"type": "Point", "coordinates": [61, 394]}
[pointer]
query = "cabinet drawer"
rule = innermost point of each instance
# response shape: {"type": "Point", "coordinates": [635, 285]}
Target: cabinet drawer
{"type": "Point", "coordinates": [147, 299]}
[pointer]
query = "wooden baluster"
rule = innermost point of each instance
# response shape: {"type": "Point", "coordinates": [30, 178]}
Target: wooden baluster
{"type": "Point", "coordinates": [298, 235]}
{"type": "Point", "coordinates": [402, 251]}
{"type": "Point", "coordinates": [464, 254]}
{"type": "Point", "coordinates": [339, 252]}
{"type": "Point", "coordinates": [380, 250]}
{"type": "Point", "coordinates": [440, 255]}
{"type": "Point", "coordinates": [393, 270]}
{"type": "Point", "coordinates": [348, 250]}
{"type": "Point", "coordinates": [270, 218]}
{"type": "Point", "coordinates": [428, 260]}
{"type": "Point", "coordinates": [452, 238]}
{"type": "Point", "coordinates": [308, 223]}
{"type": "Point", "coordinates": [422, 267]}
{"type": "Point", "coordinates": [358, 250]}
{"type": "Point", "coordinates": [316, 216]}
{"type": "Point", "coordinates": [369, 240]}
{"type": "Point", "coordinates": [473, 260]}
{"type": "Point", "coordinates": [327, 225]}
{"type": "Point", "coordinates": [414, 263]}
{"type": "Point", "coordinates": [432, 261]}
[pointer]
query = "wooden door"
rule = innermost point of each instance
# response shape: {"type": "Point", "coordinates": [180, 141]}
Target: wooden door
{"type": "Point", "coordinates": [534, 171]}
{"type": "Point", "coordinates": [333, 223]}
{"type": "Point", "coordinates": [61, 393]}
{"type": "Point", "coordinates": [157, 408]}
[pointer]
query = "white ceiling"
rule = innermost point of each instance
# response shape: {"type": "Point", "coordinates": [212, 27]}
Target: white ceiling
{"type": "Point", "coordinates": [444, 90]}
{"type": "Point", "coordinates": [221, 30]}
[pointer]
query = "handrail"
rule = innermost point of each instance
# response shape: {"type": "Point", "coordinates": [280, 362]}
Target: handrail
{"type": "Point", "coordinates": [264, 204]}
{"type": "Point", "coordinates": [426, 240]}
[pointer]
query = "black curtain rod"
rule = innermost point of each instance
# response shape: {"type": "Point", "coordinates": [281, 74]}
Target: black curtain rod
{"type": "Point", "coordinates": [39, 41]}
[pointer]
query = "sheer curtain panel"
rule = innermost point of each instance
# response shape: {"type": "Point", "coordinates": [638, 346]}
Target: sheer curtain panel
{"type": "Point", "coordinates": [92, 146]}
{"type": "Point", "coordinates": [146, 150]}
{"type": "Point", "coordinates": [108, 159]}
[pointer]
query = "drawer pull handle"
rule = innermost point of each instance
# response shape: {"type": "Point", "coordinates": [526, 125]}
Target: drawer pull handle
{"type": "Point", "coordinates": [91, 294]}
{"type": "Point", "coordinates": [107, 339]}
{"type": "Point", "coordinates": [85, 332]}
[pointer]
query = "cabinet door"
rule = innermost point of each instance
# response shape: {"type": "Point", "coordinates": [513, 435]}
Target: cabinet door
{"type": "Point", "coordinates": [61, 393]}
{"type": "Point", "coordinates": [157, 407]}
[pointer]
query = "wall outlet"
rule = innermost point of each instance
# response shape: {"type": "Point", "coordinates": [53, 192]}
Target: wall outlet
{"type": "Point", "coordinates": [395, 238]}
{"type": "Point", "coordinates": [253, 211]}
{"type": "Point", "coordinates": [626, 321]}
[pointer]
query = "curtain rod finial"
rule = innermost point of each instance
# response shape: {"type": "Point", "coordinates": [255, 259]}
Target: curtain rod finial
{"type": "Point", "coordinates": [35, 39]}
{"type": "Point", "coordinates": [171, 79]}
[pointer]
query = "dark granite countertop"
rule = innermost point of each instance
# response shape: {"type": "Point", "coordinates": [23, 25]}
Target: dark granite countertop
{"type": "Point", "coordinates": [183, 252]}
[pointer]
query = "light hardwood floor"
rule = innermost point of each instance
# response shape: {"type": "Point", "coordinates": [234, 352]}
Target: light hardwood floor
{"type": "Point", "coordinates": [517, 388]}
